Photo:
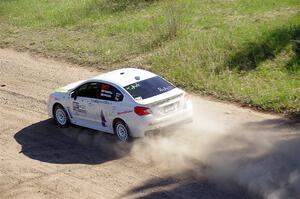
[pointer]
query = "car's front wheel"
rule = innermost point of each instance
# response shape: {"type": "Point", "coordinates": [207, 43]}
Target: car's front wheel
{"type": "Point", "coordinates": [60, 116]}
{"type": "Point", "coordinates": [121, 130]}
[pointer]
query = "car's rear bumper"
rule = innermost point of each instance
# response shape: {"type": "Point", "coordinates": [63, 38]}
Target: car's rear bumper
{"type": "Point", "coordinates": [168, 127]}
{"type": "Point", "coordinates": [151, 123]}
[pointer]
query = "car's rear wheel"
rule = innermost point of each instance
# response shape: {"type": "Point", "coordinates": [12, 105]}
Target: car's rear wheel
{"type": "Point", "coordinates": [60, 116]}
{"type": "Point", "coordinates": [121, 130]}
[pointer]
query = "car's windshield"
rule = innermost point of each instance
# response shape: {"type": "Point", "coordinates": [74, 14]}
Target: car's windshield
{"type": "Point", "coordinates": [149, 88]}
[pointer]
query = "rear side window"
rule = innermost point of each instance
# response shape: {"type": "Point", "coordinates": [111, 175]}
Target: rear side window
{"type": "Point", "coordinates": [149, 88]}
{"type": "Point", "coordinates": [108, 92]}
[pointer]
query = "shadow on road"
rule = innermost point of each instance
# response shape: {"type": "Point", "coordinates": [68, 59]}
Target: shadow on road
{"type": "Point", "coordinates": [187, 185]}
{"type": "Point", "coordinates": [46, 142]}
{"type": "Point", "coordinates": [275, 126]}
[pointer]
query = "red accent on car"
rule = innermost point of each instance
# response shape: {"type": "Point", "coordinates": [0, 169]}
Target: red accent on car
{"type": "Point", "coordinates": [142, 111]}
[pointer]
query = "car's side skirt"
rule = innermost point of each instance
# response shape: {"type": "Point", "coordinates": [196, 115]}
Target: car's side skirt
{"type": "Point", "coordinates": [91, 125]}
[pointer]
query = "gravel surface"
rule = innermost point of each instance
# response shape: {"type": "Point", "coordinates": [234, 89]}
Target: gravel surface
{"type": "Point", "coordinates": [228, 152]}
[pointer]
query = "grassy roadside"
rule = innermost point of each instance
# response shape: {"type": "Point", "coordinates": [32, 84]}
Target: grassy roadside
{"type": "Point", "coordinates": [237, 50]}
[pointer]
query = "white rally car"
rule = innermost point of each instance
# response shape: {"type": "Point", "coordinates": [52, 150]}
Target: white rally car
{"type": "Point", "coordinates": [127, 102]}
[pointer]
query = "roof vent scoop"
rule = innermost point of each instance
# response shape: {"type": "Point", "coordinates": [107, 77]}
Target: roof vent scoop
{"type": "Point", "coordinates": [137, 78]}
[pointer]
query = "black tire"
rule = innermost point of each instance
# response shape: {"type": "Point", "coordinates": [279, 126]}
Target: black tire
{"type": "Point", "coordinates": [61, 116]}
{"type": "Point", "coordinates": [121, 131]}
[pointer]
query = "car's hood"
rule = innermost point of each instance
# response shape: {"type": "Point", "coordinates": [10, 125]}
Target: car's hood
{"type": "Point", "coordinates": [69, 87]}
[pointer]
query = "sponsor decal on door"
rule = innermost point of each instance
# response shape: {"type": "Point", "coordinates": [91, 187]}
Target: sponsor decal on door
{"type": "Point", "coordinates": [79, 109]}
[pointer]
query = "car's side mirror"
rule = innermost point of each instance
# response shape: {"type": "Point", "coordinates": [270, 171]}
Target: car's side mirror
{"type": "Point", "coordinates": [73, 95]}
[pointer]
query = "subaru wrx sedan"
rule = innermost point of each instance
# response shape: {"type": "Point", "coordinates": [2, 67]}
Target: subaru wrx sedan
{"type": "Point", "coordinates": [127, 102]}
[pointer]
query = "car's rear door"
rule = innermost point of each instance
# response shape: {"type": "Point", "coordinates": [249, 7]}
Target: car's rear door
{"type": "Point", "coordinates": [109, 100]}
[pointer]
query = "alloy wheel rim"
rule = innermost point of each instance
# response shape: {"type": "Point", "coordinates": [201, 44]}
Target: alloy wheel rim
{"type": "Point", "coordinates": [61, 116]}
{"type": "Point", "coordinates": [122, 132]}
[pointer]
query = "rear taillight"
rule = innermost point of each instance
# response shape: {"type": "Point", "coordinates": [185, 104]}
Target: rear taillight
{"type": "Point", "coordinates": [142, 111]}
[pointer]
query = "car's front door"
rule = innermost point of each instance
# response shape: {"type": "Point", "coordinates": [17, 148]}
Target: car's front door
{"type": "Point", "coordinates": [84, 107]}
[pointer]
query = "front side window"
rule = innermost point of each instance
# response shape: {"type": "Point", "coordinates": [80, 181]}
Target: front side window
{"type": "Point", "coordinates": [99, 91]}
{"type": "Point", "coordinates": [90, 90]}
{"type": "Point", "coordinates": [149, 88]}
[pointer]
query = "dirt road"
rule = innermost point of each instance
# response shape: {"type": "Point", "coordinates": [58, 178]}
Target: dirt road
{"type": "Point", "coordinates": [228, 152]}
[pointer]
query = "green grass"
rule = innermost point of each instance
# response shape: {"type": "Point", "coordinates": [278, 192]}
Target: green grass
{"type": "Point", "coordinates": [238, 50]}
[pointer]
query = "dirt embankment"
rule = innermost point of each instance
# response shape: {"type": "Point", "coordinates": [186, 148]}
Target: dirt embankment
{"type": "Point", "coordinates": [228, 152]}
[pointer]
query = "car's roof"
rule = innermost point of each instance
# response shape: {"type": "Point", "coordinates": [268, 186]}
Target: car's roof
{"type": "Point", "coordinates": [125, 76]}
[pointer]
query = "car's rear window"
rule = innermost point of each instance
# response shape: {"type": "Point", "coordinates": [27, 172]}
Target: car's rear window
{"type": "Point", "coordinates": [149, 88]}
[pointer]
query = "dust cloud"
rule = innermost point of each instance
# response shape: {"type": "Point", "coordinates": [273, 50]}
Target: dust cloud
{"type": "Point", "coordinates": [262, 156]}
